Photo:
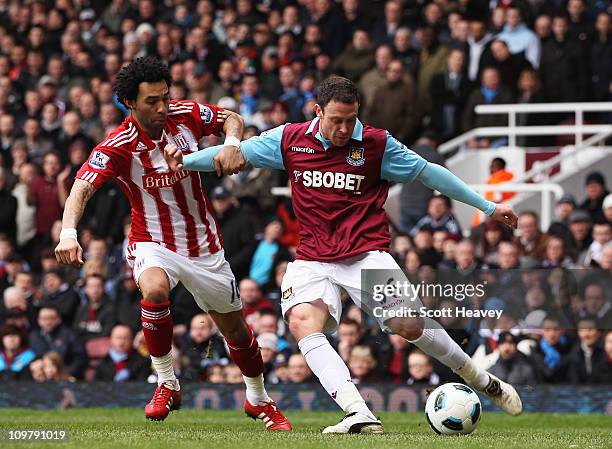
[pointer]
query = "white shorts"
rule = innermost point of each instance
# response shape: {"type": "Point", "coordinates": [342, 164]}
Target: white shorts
{"type": "Point", "coordinates": [307, 281]}
{"type": "Point", "coordinates": [209, 278]}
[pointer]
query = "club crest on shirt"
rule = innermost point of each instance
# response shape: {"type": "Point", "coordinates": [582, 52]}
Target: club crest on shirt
{"type": "Point", "coordinates": [287, 293]}
{"type": "Point", "coordinates": [99, 160]}
{"type": "Point", "coordinates": [355, 156]}
{"type": "Point", "coordinates": [206, 114]}
{"type": "Point", "coordinates": [181, 142]}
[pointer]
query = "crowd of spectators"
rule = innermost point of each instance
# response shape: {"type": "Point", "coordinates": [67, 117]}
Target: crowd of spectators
{"type": "Point", "coordinates": [421, 68]}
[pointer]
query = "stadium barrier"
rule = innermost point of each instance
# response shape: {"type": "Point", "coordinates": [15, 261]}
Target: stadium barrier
{"type": "Point", "coordinates": [381, 397]}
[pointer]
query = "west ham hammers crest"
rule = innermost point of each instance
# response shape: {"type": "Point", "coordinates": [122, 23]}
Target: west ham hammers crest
{"type": "Point", "coordinates": [355, 156]}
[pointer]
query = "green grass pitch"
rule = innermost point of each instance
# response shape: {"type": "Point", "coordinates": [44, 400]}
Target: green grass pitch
{"type": "Point", "coordinates": [127, 428]}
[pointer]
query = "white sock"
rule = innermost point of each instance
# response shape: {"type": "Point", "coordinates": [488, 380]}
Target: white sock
{"type": "Point", "coordinates": [333, 373]}
{"type": "Point", "coordinates": [437, 343]}
{"type": "Point", "coordinates": [163, 368]}
{"type": "Point", "coordinates": [255, 390]}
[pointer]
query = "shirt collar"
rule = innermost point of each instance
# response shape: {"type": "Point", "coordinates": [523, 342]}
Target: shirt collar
{"type": "Point", "coordinates": [357, 132]}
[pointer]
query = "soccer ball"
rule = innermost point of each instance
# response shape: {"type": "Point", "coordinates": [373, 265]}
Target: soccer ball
{"type": "Point", "coordinates": [453, 409]}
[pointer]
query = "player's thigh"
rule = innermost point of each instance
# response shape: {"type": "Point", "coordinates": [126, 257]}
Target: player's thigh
{"type": "Point", "coordinates": [155, 270]}
{"type": "Point", "coordinates": [364, 280]}
{"type": "Point", "coordinates": [212, 284]}
{"type": "Point", "coordinates": [310, 301]}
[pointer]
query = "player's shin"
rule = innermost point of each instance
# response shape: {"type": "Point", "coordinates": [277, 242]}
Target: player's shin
{"type": "Point", "coordinates": [436, 342]}
{"type": "Point", "coordinates": [333, 373]}
{"type": "Point", "coordinates": [157, 328]}
{"type": "Point", "coordinates": [246, 354]}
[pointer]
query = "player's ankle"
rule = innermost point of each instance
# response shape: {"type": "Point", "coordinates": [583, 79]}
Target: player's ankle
{"type": "Point", "coordinates": [360, 407]}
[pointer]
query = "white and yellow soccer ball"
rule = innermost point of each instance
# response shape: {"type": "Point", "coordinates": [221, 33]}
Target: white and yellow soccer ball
{"type": "Point", "coordinates": [453, 409]}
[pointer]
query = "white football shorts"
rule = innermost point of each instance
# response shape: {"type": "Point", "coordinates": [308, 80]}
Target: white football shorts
{"type": "Point", "coordinates": [208, 278]}
{"type": "Point", "coordinates": [306, 281]}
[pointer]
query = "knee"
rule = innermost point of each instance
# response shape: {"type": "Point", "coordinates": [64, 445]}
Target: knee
{"type": "Point", "coordinates": [237, 333]}
{"type": "Point", "coordinates": [301, 323]}
{"type": "Point", "coordinates": [155, 293]}
{"type": "Point", "coordinates": [409, 328]}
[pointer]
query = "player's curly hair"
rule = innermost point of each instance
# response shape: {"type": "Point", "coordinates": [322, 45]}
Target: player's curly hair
{"type": "Point", "coordinates": [339, 89]}
{"type": "Point", "coordinates": [147, 69]}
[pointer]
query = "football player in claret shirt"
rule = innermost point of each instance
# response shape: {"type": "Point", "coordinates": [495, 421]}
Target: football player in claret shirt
{"type": "Point", "coordinates": [340, 171]}
{"type": "Point", "coordinates": [174, 235]}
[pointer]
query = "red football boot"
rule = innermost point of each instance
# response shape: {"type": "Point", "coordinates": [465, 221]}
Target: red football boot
{"type": "Point", "coordinates": [269, 414]}
{"type": "Point", "coordinates": [164, 400]}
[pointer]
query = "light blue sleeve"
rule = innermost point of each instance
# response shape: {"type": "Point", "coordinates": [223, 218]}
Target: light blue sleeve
{"type": "Point", "coordinates": [439, 178]}
{"type": "Point", "coordinates": [262, 151]}
{"type": "Point", "coordinates": [400, 164]}
{"type": "Point", "coordinates": [202, 160]}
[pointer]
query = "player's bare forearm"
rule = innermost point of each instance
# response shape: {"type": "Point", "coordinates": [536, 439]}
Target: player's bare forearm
{"type": "Point", "coordinates": [234, 125]}
{"type": "Point", "coordinates": [80, 194]}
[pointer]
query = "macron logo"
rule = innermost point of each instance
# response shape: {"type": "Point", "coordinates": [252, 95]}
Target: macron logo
{"type": "Point", "coordinates": [303, 150]}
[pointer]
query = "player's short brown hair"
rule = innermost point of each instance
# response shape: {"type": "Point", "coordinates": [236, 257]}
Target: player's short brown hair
{"type": "Point", "coordinates": [339, 89]}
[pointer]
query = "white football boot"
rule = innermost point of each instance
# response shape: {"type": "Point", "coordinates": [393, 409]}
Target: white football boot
{"type": "Point", "coordinates": [503, 395]}
{"type": "Point", "coordinates": [356, 422]}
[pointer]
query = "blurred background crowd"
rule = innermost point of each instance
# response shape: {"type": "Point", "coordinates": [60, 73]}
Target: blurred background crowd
{"type": "Point", "coordinates": [421, 67]}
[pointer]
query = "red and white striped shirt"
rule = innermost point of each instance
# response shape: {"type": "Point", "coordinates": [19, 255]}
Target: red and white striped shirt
{"type": "Point", "coordinates": [168, 208]}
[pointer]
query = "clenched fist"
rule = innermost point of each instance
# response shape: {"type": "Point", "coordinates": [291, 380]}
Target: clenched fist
{"type": "Point", "coordinates": [505, 214]}
{"type": "Point", "coordinates": [174, 157]}
{"type": "Point", "coordinates": [69, 252]}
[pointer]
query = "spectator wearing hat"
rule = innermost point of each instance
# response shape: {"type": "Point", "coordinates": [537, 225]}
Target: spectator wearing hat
{"type": "Point", "coordinates": [268, 344]}
{"type": "Point", "coordinates": [580, 225]}
{"type": "Point", "coordinates": [280, 375]}
{"type": "Point", "coordinates": [588, 362]}
{"type": "Point", "coordinates": [15, 355]}
{"type": "Point", "coordinates": [560, 227]}
{"type": "Point", "coordinates": [596, 192]}
{"type": "Point", "coordinates": [512, 365]}
{"type": "Point", "coordinates": [550, 354]}
{"type": "Point", "coordinates": [607, 208]}
{"type": "Point", "coordinates": [52, 335]}
{"type": "Point", "coordinates": [123, 363]}
{"type": "Point", "coordinates": [237, 231]}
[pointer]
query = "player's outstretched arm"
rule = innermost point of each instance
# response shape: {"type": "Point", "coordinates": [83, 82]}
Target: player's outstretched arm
{"type": "Point", "coordinates": [439, 178]}
{"type": "Point", "coordinates": [68, 250]}
{"type": "Point", "coordinates": [263, 151]}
